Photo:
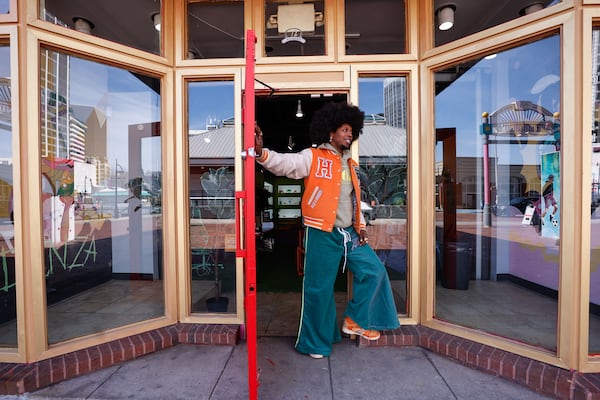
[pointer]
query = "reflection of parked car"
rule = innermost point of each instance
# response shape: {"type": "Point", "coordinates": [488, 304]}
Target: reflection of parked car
{"type": "Point", "coordinates": [506, 210]}
{"type": "Point", "coordinates": [522, 202]}
{"type": "Point", "coordinates": [516, 206]}
{"type": "Point", "coordinates": [86, 208]}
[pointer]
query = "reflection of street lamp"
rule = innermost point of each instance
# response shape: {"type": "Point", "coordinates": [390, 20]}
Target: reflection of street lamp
{"type": "Point", "coordinates": [117, 166]}
{"type": "Point", "coordinates": [486, 130]}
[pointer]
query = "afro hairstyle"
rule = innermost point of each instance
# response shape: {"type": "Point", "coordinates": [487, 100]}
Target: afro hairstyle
{"type": "Point", "coordinates": [331, 116]}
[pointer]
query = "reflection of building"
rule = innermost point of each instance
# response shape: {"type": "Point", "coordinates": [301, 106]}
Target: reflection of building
{"type": "Point", "coordinates": [76, 140]}
{"type": "Point", "coordinates": [95, 140]}
{"type": "Point", "coordinates": [394, 97]}
{"type": "Point", "coordinates": [55, 104]}
{"type": "Point", "coordinates": [6, 185]}
{"type": "Point", "coordinates": [70, 131]}
{"type": "Point", "coordinates": [5, 107]}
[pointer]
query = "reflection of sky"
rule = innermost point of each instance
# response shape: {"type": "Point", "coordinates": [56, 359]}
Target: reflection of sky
{"type": "Point", "coordinates": [491, 84]}
{"type": "Point", "coordinates": [370, 92]}
{"type": "Point", "coordinates": [4, 7]}
{"type": "Point", "coordinates": [121, 96]}
{"type": "Point", "coordinates": [210, 100]}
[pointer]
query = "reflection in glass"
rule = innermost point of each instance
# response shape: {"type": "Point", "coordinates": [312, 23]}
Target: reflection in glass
{"type": "Point", "coordinates": [132, 22]}
{"type": "Point", "coordinates": [215, 29]}
{"type": "Point", "coordinates": [498, 193]}
{"type": "Point", "coordinates": [4, 7]}
{"type": "Point", "coordinates": [475, 16]}
{"type": "Point", "coordinates": [375, 27]}
{"type": "Point", "coordinates": [101, 196]}
{"type": "Point", "coordinates": [8, 305]}
{"type": "Point", "coordinates": [294, 29]}
{"type": "Point", "coordinates": [594, 325]}
{"type": "Point", "coordinates": [212, 196]}
{"type": "Point", "coordinates": [383, 175]}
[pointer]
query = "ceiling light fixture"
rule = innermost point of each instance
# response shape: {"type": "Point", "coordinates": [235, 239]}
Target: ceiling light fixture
{"type": "Point", "coordinates": [531, 8]}
{"type": "Point", "coordinates": [83, 25]}
{"type": "Point", "coordinates": [156, 20]}
{"type": "Point", "coordinates": [445, 16]}
{"type": "Point", "coordinates": [299, 113]}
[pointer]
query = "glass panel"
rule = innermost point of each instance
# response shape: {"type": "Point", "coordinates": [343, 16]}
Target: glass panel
{"type": "Point", "coordinates": [383, 174]}
{"type": "Point", "coordinates": [134, 23]}
{"type": "Point", "coordinates": [294, 29]}
{"type": "Point", "coordinates": [594, 328]}
{"type": "Point", "coordinates": [8, 299]}
{"type": "Point", "coordinates": [474, 16]}
{"type": "Point", "coordinates": [215, 29]}
{"type": "Point", "coordinates": [101, 193]}
{"type": "Point", "coordinates": [498, 193]}
{"type": "Point", "coordinates": [4, 7]}
{"type": "Point", "coordinates": [212, 196]}
{"type": "Point", "coordinates": [375, 32]}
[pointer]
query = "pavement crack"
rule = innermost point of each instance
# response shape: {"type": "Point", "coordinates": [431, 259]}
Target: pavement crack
{"type": "Point", "coordinates": [426, 354]}
{"type": "Point", "coordinates": [330, 377]}
{"type": "Point", "coordinates": [90, 396]}
{"type": "Point", "coordinates": [212, 390]}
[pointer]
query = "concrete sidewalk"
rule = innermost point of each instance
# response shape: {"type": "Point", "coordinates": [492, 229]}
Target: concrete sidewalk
{"type": "Point", "coordinates": [351, 372]}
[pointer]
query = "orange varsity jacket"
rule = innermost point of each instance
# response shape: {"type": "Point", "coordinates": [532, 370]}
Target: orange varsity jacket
{"type": "Point", "coordinates": [321, 169]}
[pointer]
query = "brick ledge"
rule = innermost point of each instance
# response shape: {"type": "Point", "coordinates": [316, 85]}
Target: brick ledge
{"type": "Point", "coordinates": [535, 375]}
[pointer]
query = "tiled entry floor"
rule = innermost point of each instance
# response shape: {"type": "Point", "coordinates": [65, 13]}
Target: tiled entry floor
{"type": "Point", "coordinates": [278, 314]}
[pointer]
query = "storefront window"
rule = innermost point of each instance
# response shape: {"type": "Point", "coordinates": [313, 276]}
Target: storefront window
{"type": "Point", "coordinates": [134, 23]}
{"type": "Point", "coordinates": [101, 195]}
{"type": "Point", "coordinates": [498, 193]}
{"type": "Point", "coordinates": [215, 29]}
{"type": "Point", "coordinates": [4, 7]}
{"type": "Point", "coordinates": [383, 175]}
{"type": "Point", "coordinates": [375, 27]}
{"type": "Point", "coordinates": [212, 196]}
{"type": "Point", "coordinates": [8, 305]}
{"type": "Point", "coordinates": [452, 22]}
{"type": "Point", "coordinates": [294, 29]}
{"type": "Point", "coordinates": [594, 313]}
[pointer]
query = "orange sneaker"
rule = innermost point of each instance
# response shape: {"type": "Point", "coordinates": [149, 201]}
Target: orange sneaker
{"type": "Point", "coordinates": [351, 328]}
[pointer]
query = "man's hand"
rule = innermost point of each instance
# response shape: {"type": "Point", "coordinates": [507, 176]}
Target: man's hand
{"type": "Point", "coordinates": [364, 239]}
{"type": "Point", "coordinates": [258, 141]}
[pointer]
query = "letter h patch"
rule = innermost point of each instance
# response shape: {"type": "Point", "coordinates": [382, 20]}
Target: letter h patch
{"type": "Point", "coordinates": [324, 167]}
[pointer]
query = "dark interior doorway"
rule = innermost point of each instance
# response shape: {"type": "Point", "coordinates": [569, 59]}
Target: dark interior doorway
{"type": "Point", "coordinates": [279, 228]}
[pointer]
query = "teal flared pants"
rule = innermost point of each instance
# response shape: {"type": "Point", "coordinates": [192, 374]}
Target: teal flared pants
{"type": "Point", "coordinates": [372, 304]}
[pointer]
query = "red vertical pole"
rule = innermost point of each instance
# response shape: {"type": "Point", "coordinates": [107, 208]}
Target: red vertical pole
{"type": "Point", "coordinates": [249, 121]}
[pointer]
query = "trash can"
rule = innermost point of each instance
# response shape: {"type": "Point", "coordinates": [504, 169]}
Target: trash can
{"type": "Point", "coordinates": [457, 265]}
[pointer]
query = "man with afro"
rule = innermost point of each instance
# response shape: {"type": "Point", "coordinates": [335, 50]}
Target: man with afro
{"type": "Point", "coordinates": [335, 233]}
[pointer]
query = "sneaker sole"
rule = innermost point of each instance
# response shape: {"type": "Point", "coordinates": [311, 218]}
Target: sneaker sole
{"type": "Point", "coordinates": [351, 332]}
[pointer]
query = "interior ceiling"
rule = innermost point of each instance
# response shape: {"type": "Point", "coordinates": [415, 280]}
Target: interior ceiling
{"type": "Point", "coordinates": [276, 116]}
{"type": "Point", "coordinates": [130, 21]}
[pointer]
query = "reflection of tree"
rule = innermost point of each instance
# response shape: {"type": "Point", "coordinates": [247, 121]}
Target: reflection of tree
{"type": "Point", "coordinates": [218, 185]}
{"type": "Point", "coordinates": [383, 183]}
